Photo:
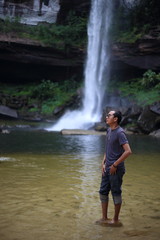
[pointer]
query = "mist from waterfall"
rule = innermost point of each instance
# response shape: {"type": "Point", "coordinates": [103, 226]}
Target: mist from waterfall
{"type": "Point", "coordinates": [96, 70]}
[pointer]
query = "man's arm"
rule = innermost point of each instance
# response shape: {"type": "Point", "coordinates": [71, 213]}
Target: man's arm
{"type": "Point", "coordinates": [126, 153]}
{"type": "Point", "coordinates": [103, 164]}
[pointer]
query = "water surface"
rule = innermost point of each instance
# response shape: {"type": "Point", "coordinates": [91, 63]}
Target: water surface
{"type": "Point", "coordinates": [49, 188]}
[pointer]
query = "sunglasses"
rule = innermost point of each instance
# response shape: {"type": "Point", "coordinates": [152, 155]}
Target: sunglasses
{"type": "Point", "coordinates": [109, 115]}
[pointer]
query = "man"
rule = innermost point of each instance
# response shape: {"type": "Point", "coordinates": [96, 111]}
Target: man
{"type": "Point", "coordinates": [113, 169]}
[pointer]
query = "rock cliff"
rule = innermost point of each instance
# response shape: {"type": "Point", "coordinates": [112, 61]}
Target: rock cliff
{"type": "Point", "coordinates": [30, 60]}
{"type": "Point", "coordinates": [17, 54]}
{"type": "Point", "coordinates": [143, 54]}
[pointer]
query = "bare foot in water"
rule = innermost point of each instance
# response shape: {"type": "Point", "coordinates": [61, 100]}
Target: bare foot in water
{"type": "Point", "coordinates": [114, 223]}
{"type": "Point", "coordinates": [103, 221]}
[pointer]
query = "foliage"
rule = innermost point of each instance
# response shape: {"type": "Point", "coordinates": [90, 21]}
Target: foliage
{"type": "Point", "coordinates": [74, 33]}
{"type": "Point", "coordinates": [48, 107]}
{"type": "Point", "coordinates": [46, 89]}
{"type": "Point", "coordinates": [144, 11]}
{"type": "Point", "coordinates": [11, 26]}
{"type": "Point", "coordinates": [45, 96]}
{"type": "Point", "coordinates": [17, 90]}
{"type": "Point", "coordinates": [150, 79]}
{"type": "Point", "coordinates": [56, 94]}
{"type": "Point", "coordinates": [133, 19]}
{"type": "Point", "coordinates": [128, 36]}
{"type": "Point", "coordinates": [145, 90]}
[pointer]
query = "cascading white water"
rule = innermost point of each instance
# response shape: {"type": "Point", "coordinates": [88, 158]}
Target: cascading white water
{"type": "Point", "coordinates": [96, 70]}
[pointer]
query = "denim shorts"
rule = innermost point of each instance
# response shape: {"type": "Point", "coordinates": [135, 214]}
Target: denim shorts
{"type": "Point", "coordinates": [112, 183]}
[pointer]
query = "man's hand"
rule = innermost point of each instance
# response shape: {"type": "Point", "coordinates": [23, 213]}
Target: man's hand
{"type": "Point", "coordinates": [113, 170]}
{"type": "Point", "coordinates": [103, 168]}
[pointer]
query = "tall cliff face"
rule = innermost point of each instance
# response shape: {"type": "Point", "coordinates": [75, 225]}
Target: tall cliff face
{"type": "Point", "coordinates": [17, 54]}
{"type": "Point", "coordinates": [143, 54]}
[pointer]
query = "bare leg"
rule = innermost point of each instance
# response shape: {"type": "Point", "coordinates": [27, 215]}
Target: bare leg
{"type": "Point", "coordinates": [116, 213]}
{"type": "Point", "coordinates": [104, 218]}
{"type": "Point", "coordinates": [115, 221]}
{"type": "Point", "coordinates": [104, 210]}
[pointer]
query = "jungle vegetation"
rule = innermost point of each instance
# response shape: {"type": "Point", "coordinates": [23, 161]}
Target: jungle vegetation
{"type": "Point", "coordinates": [42, 98]}
{"type": "Point", "coordinates": [145, 90]}
{"type": "Point", "coordinates": [133, 19]}
{"type": "Point", "coordinates": [72, 34]}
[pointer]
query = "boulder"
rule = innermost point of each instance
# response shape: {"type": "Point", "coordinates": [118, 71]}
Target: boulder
{"type": "Point", "coordinates": [131, 114]}
{"type": "Point", "coordinates": [155, 107]}
{"type": "Point", "coordinates": [155, 133]}
{"type": "Point", "coordinates": [8, 112]}
{"type": "Point", "coordinates": [148, 121]}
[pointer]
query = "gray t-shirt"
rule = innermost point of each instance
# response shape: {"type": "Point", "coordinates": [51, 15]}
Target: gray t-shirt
{"type": "Point", "coordinates": [114, 141]}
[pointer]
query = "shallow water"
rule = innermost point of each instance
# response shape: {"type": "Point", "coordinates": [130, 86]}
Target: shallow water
{"type": "Point", "coordinates": [49, 188]}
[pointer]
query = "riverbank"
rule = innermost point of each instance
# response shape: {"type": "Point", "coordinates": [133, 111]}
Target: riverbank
{"type": "Point", "coordinates": [8, 126]}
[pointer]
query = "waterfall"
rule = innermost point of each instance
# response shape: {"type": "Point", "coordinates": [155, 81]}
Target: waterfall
{"type": "Point", "coordinates": [96, 70]}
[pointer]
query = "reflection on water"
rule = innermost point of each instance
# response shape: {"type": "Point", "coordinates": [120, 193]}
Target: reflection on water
{"type": "Point", "coordinates": [49, 188]}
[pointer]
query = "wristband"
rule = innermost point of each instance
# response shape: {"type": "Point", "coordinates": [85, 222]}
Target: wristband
{"type": "Point", "coordinates": [114, 166]}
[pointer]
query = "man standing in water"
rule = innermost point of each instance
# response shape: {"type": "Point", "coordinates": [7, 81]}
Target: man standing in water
{"type": "Point", "coordinates": [113, 169]}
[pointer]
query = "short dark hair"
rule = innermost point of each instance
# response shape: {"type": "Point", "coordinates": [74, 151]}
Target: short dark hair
{"type": "Point", "coordinates": [118, 114]}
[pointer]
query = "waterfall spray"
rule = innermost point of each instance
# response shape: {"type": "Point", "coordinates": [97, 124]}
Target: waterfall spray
{"type": "Point", "coordinates": [96, 70]}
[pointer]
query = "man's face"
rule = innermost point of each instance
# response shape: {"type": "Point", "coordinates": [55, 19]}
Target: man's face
{"type": "Point", "coordinates": [110, 119]}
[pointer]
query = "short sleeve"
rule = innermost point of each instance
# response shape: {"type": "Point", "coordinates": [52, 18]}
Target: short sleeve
{"type": "Point", "coordinates": [122, 138]}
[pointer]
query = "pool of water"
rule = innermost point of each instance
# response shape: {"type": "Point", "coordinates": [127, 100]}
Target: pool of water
{"type": "Point", "coordinates": [49, 188]}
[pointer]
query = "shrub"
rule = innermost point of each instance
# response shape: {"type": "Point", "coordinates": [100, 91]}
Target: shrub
{"type": "Point", "coordinates": [45, 90]}
{"type": "Point", "coordinates": [150, 79]}
{"type": "Point", "coordinates": [145, 90]}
